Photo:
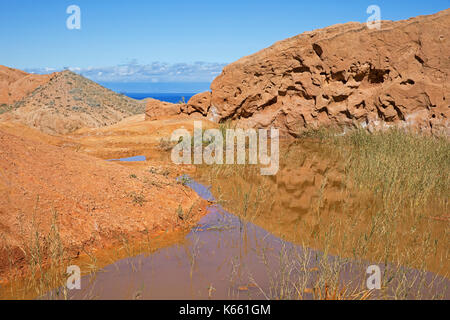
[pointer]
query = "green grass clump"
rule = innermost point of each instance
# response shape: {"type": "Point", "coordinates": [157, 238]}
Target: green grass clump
{"type": "Point", "coordinates": [402, 168]}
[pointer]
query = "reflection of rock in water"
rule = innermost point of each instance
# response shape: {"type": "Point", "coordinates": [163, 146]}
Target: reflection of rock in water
{"type": "Point", "coordinates": [307, 190]}
{"type": "Point", "coordinates": [308, 184]}
{"type": "Point", "coordinates": [308, 180]}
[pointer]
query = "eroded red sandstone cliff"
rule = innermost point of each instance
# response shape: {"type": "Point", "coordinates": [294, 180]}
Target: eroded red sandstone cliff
{"type": "Point", "coordinates": [342, 75]}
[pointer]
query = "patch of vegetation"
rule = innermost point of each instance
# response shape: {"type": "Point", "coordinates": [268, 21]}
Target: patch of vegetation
{"type": "Point", "coordinates": [165, 173]}
{"type": "Point", "coordinates": [404, 169]}
{"type": "Point", "coordinates": [319, 133]}
{"type": "Point", "coordinates": [184, 216]}
{"type": "Point", "coordinates": [184, 180]}
{"type": "Point", "coordinates": [165, 144]}
{"type": "Point", "coordinates": [138, 198]}
{"type": "Point", "coordinates": [5, 108]}
{"type": "Point", "coordinates": [45, 259]}
{"type": "Point", "coordinates": [78, 109]}
{"type": "Point", "coordinates": [180, 213]}
{"type": "Point", "coordinates": [387, 202]}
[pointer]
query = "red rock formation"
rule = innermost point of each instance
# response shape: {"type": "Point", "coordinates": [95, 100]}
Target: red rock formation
{"type": "Point", "coordinates": [198, 106]}
{"type": "Point", "coordinates": [156, 109]}
{"type": "Point", "coordinates": [200, 103]}
{"type": "Point", "coordinates": [342, 75]}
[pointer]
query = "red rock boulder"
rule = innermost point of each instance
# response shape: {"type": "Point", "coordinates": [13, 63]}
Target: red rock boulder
{"type": "Point", "coordinates": [156, 109]}
{"type": "Point", "coordinates": [200, 102]}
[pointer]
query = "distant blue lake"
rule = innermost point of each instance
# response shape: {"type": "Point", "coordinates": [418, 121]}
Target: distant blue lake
{"type": "Point", "coordinates": [167, 97]}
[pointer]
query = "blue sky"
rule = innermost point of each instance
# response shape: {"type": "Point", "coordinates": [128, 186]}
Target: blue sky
{"type": "Point", "coordinates": [184, 41]}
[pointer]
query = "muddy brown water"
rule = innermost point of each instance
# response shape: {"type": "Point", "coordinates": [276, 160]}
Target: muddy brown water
{"type": "Point", "coordinates": [224, 257]}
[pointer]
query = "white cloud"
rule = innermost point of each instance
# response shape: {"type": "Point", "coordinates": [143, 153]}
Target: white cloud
{"type": "Point", "coordinates": [154, 72]}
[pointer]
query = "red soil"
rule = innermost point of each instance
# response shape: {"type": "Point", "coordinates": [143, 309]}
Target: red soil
{"type": "Point", "coordinates": [96, 201]}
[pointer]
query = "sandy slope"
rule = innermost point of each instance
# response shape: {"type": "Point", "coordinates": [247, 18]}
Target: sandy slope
{"type": "Point", "coordinates": [16, 84]}
{"type": "Point", "coordinates": [95, 200]}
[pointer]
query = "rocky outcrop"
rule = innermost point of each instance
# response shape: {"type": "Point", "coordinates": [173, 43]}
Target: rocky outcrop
{"type": "Point", "coordinates": [197, 105]}
{"type": "Point", "coordinates": [343, 75]}
{"type": "Point", "coordinates": [200, 103]}
{"type": "Point", "coordinates": [156, 109]}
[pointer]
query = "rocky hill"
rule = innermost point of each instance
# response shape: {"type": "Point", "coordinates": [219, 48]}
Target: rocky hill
{"type": "Point", "coordinates": [67, 102]}
{"type": "Point", "coordinates": [342, 75]}
{"type": "Point", "coordinates": [16, 84]}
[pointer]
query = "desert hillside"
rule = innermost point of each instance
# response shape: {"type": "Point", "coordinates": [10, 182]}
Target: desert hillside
{"type": "Point", "coordinates": [16, 84]}
{"type": "Point", "coordinates": [68, 102]}
{"type": "Point", "coordinates": [343, 75]}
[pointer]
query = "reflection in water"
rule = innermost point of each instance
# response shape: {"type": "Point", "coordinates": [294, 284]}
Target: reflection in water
{"type": "Point", "coordinates": [315, 202]}
{"type": "Point", "coordinates": [307, 186]}
{"type": "Point", "coordinates": [306, 195]}
{"type": "Point", "coordinates": [225, 257]}
{"type": "Point", "coordinates": [263, 249]}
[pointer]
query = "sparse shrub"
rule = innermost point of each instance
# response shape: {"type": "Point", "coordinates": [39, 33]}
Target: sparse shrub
{"type": "Point", "coordinates": [184, 216]}
{"type": "Point", "coordinates": [5, 108]}
{"type": "Point", "coordinates": [165, 173]}
{"type": "Point", "coordinates": [165, 144]}
{"type": "Point", "coordinates": [184, 180]}
{"type": "Point", "coordinates": [138, 198]}
{"type": "Point", "coordinates": [180, 213]}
